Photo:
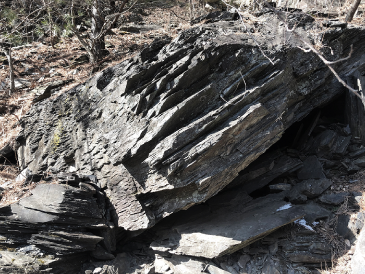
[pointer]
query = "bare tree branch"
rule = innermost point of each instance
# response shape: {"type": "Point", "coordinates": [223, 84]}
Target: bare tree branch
{"type": "Point", "coordinates": [311, 48]}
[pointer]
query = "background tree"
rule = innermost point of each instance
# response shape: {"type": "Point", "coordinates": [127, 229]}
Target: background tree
{"type": "Point", "coordinates": [15, 23]}
{"type": "Point", "coordinates": [103, 16]}
{"type": "Point", "coordinates": [350, 15]}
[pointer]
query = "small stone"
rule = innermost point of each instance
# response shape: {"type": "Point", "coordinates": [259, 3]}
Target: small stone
{"type": "Point", "coordinates": [21, 83]}
{"type": "Point", "coordinates": [97, 270]}
{"type": "Point", "coordinates": [55, 74]}
{"type": "Point", "coordinates": [243, 261]}
{"type": "Point", "coordinates": [273, 248]}
{"type": "Point", "coordinates": [76, 71]}
{"type": "Point", "coordinates": [150, 269]}
{"type": "Point", "coordinates": [216, 270]}
{"type": "Point", "coordinates": [347, 242]}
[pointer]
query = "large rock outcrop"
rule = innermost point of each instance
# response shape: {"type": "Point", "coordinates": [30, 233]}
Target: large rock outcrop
{"type": "Point", "coordinates": [174, 125]}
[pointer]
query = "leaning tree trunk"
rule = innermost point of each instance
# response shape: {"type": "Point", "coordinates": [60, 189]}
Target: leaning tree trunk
{"type": "Point", "coordinates": [97, 41]}
{"type": "Point", "coordinates": [353, 9]}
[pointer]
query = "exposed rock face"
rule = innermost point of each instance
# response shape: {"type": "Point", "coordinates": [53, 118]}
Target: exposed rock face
{"type": "Point", "coordinates": [173, 126]}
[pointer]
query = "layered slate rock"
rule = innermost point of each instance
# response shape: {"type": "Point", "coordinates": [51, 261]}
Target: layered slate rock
{"type": "Point", "coordinates": [54, 229]}
{"type": "Point", "coordinates": [174, 125]}
{"type": "Point", "coordinates": [228, 228]}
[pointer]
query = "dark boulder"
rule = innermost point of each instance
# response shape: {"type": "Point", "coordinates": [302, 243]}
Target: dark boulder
{"type": "Point", "coordinates": [166, 130]}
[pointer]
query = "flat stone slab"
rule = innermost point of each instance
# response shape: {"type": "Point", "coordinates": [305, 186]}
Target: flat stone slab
{"type": "Point", "coordinates": [334, 198]}
{"type": "Point", "coordinates": [228, 229]}
{"type": "Point", "coordinates": [312, 169]}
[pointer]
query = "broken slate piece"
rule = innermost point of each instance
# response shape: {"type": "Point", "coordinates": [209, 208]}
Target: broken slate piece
{"type": "Point", "coordinates": [227, 230]}
{"type": "Point", "coordinates": [309, 188]}
{"type": "Point", "coordinates": [341, 145]}
{"type": "Point", "coordinates": [357, 153]}
{"type": "Point", "coordinates": [314, 212]}
{"type": "Point", "coordinates": [280, 187]}
{"type": "Point", "coordinates": [334, 198]}
{"type": "Point", "coordinates": [312, 169]}
{"type": "Point", "coordinates": [360, 162]}
{"type": "Point", "coordinates": [345, 227]}
{"type": "Point", "coordinates": [21, 83]}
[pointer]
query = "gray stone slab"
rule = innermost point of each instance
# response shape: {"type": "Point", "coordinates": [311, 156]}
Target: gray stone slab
{"type": "Point", "coordinates": [227, 230]}
{"type": "Point", "coordinates": [334, 198]}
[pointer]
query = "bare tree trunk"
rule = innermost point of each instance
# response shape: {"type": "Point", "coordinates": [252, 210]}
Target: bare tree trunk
{"type": "Point", "coordinates": [191, 9]}
{"type": "Point", "coordinates": [73, 12]}
{"type": "Point", "coordinates": [11, 69]}
{"type": "Point", "coordinates": [97, 43]}
{"type": "Point", "coordinates": [50, 22]}
{"type": "Point", "coordinates": [351, 12]}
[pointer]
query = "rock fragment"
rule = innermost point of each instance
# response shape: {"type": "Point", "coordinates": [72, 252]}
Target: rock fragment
{"type": "Point", "coordinates": [227, 229]}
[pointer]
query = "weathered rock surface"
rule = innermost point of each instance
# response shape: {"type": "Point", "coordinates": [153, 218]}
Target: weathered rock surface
{"type": "Point", "coordinates": [174, 125]}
